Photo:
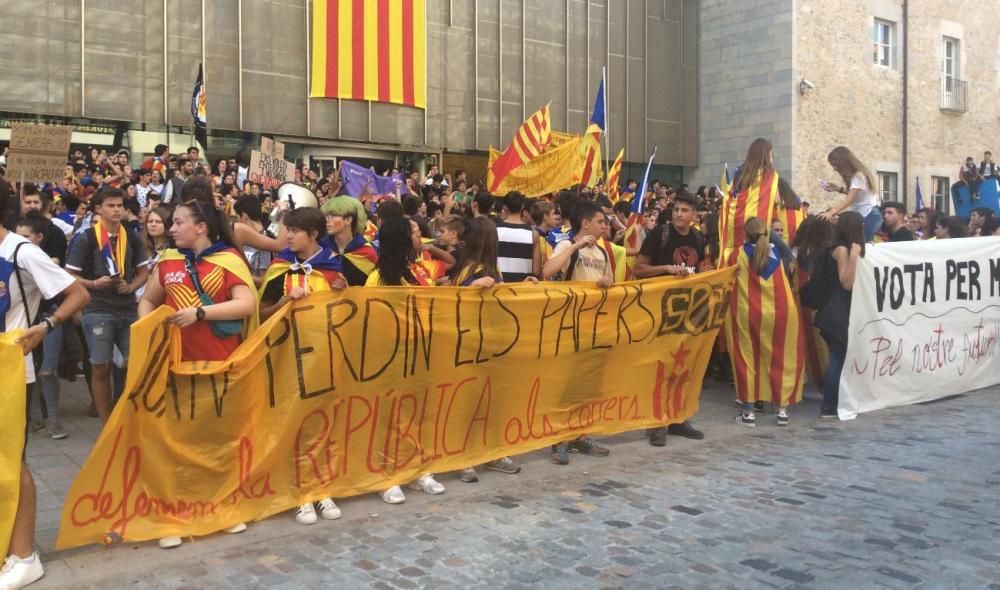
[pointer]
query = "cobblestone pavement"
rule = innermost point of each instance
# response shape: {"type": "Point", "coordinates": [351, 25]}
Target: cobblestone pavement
{"type": "Point", "coordinates": [902, 498]}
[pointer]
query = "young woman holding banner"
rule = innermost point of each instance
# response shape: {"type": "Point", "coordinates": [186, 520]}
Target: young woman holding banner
{"type": "Point", "coordinates": [397, 267]}
{"type": "Point", "coordinates": [210, 286]}
{"type": "Point", "coordinates": [304, 267]}
{"type": "Point", "coordinates": [479, 268]}
{"type": "Point", "coordinates": [762, 331]}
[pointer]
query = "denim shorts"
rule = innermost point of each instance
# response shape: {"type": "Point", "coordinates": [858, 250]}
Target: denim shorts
{"type": "Point", "coordinates": [104, 330]}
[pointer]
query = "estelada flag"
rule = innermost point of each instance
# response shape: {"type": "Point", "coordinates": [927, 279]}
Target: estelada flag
{"type": "Point", "coordinates": [370, 50]}
{"type": "Point", "coordinates": [199, 109]}
{"type": "Point", "coordinates": [614, 177]}
{"type": "Point", "coordinates": [757, 200]}
{"type": "Point", "coordinates": [591, 150]}
{"type": "Point", "coordinates": [531, 139]}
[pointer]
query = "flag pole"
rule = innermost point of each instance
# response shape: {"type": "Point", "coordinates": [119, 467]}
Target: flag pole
{"type": "Point", "coordinates": [607, 118]}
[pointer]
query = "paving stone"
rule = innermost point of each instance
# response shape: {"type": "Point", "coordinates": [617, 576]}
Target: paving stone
{"type": "Point", "coordinates": [881, 502]}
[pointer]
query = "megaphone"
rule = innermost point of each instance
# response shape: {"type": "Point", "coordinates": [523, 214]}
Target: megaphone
{"type": "Point", "coordinates": [297, 196]}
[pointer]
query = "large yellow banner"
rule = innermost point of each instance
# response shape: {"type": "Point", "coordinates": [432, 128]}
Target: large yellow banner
{"type": "Point", "coordinates": [12, 402]}
{"type": "Point", "coordinates": [557, 168]}
{"type": "Point", "coordinates": [351, 392]}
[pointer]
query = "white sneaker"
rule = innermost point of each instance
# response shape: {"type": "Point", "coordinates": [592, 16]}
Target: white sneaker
{"type": "Point", "coordinates": [170, 542]}
{"type": "Point", "coordinates": [18, 573]}
{"type": "Point", "coordinates": [306, 514]}
{"type": "Point", "coordinates": [393, 495]}
{"type": "Point", "coordinates": [236, 529]}
{"type": "Point", "coordinates": [328, 510]}
{"type": "Point", "coordinates": [427, 484]}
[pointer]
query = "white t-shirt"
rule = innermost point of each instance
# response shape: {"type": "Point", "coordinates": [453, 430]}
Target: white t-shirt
{"type": "Point", "coordinates": [43, 279]}
{"type": "Point", "coordinates": [591, 262]}
{"type": "Point", "coordinates": [141, 192]}
{"type": "Point", "coordinates": [866, 200]}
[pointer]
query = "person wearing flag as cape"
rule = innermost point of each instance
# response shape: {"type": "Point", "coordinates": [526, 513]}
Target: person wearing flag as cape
{"type": "Point", "coordinates": [304, 267]}
{"type": "Point", "coordinates": [765, 343]}
{"type": "Point", "coordinates": [110, 260]}
{"type": "Point", "coordinates": [207, 282]}
{"type": "Point", "coordinates": [346, 222]}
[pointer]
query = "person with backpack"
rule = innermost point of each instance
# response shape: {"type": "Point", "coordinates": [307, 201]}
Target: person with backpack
{"type": "Point", "coordinates": [111, 260]}
{"type": "Point", "coordinates": [673, 248]}
{"type": "Point", "coordinates": [29, 276]}
{"type": "Point", "coordinates": [580, 258]}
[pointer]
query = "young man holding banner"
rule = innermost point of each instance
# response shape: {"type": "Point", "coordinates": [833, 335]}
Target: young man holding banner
{"type": "Point", "coordinates": [579, 258]}
{"type": "Point", "coordinates": [27, 276]}
{"type": "Point", "coordinates": [674, 248]}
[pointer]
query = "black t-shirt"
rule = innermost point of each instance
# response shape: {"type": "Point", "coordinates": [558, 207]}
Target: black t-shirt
{"type": "Point", "coordinates": [903, 234]}
{"type": "Point", "coordinates": [683, 249]}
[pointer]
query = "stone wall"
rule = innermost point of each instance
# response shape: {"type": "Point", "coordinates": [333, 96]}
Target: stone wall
{"type": "Point", "coordinates": [939, 141]}
{"type": "Point", "coordinates": [859, 104]}
{"type": "Point", "coordinates": [855, 103]}
{"type": "Point", "coordinates": [746, 84]}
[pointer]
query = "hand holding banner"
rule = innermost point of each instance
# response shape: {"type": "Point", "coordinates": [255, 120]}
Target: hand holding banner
{"type": "Point", "coordinates": [12, 400]}
{"type": "Point", "coordinates": [348, 392]}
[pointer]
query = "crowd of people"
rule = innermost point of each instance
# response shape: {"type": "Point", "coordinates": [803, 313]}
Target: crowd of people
{"type": "Point", "coordinates": [81, 259]}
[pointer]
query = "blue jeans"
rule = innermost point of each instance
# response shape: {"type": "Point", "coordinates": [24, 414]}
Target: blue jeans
{"type": "Point", "coordinates": [834, 366]}
{"type": "Point", "coordinates": [873, 221]}
{"type": "Point", "coordinates": [105, 330]}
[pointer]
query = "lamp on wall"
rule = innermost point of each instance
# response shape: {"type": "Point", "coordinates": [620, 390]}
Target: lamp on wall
{"type": "Point", "coordinates": [804, 85]}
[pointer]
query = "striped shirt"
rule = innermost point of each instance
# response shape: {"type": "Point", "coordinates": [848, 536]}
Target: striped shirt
{"type": "Point", "coordinates": [515, 250]}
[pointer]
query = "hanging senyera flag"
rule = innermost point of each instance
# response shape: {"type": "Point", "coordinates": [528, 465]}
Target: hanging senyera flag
{"type": "Point", "coordinates": [370, 50]}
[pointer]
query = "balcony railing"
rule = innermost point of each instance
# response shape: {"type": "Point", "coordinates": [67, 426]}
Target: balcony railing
{"type": "Point", "coordinates": [954, 95]}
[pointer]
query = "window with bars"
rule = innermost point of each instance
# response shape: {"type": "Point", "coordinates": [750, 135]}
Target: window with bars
{"type": "Point", "coordinates": [882, 42]}
{"type": "Point", "coordinates": [888, 183]}
{"type": "Point", "coordinates": [942, 190]}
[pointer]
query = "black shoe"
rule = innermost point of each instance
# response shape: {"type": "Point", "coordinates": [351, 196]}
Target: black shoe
{"type": "Point", "coordinates": [829, 414]}
{"type": "Point", "coordinates": [686, 430]}
{"type": "Point", "coordinates": [758, 406]}
{"type": "Point", "coordinates": [658, 436]}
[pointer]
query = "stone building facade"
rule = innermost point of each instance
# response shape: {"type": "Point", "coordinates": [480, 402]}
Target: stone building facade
{"type": "Point", "coordinates": [811, 75]}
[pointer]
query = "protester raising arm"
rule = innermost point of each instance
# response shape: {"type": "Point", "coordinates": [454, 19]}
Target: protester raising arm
{"type": "Point", "coordinates": [560, 260]}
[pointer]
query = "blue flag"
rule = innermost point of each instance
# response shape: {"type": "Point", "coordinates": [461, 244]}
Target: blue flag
{"type": "Point", "coordinates": [597, 118]}
{"type": "Point", "coordinates": [358, 180]}
{"type": "Point", "coordinates": [920, 197]}
{"type": "Point", "coordinates": [639, 199]}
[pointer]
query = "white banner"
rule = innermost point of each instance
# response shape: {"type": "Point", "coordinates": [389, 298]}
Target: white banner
{"type": "Point", "coordinates": [925, 323]}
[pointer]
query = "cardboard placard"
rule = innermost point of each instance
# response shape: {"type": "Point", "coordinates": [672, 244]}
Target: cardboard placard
{"type": "Point", "coordinates": [38, 153]}
{"type": "Point", "coordinates": [269, 171]}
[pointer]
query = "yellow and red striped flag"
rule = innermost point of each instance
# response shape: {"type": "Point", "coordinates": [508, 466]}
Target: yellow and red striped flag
{"type": "Point", "coordinates": [529, 142]}
{"type": "Point", "coordinates": [590, 147]}
{"type": "Point", "coordinates": [756, 201]}
{"type": "Point", "coordinates": [614, 177]}
{"type": "Point", "coordinates": [763, 335]}
{"type": "Point", "coordinates": [370, 50]}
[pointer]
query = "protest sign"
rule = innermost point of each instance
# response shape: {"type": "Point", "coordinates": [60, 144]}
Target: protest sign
{"type": "Point", "coordinates": [358, 181]}
{"type": "Point", "coordinates": [38, 153]}
{"type": "Point", "coordinates": [268, 170]}
{"type": "Point", "coordinates": [348, 392]}
{"type": "Point", "coordinates": [12, 401]}
{"type": "Point", "coordinates": [925, 323]}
